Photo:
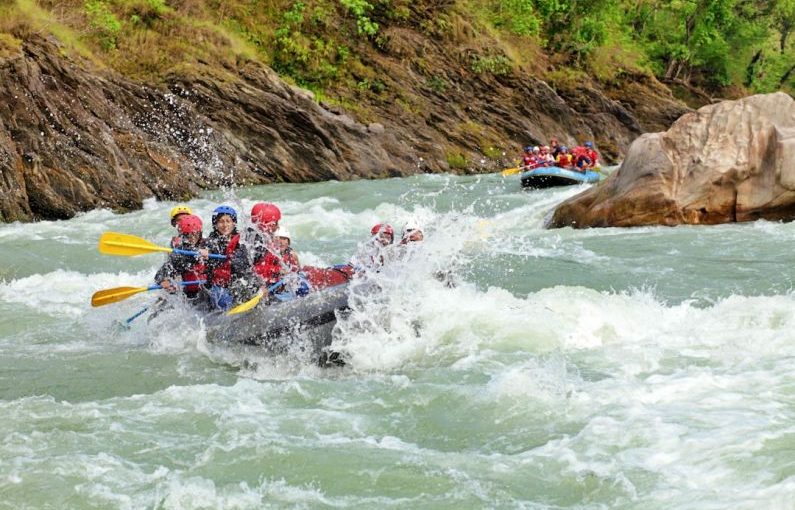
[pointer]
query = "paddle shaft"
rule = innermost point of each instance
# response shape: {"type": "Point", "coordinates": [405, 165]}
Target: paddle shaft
{"type": "Point", "coordinates": [153, 287]}
{"type": "Point", "coordinates": [251, 303]}
{"type": "Point", "coordinates": [137, 314]}
{"type": "Point", "coordinates": [196, 254]}
{"type": "Point", "coordinates": [193, 282]}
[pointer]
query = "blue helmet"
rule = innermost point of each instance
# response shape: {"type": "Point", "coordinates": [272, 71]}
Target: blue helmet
{"type": "Point", "coordinates": [589, 145]}
{"type": "Point", "coordinates": [529, 148]}
{"type": "Point", "coordinates": [224, 209]}
{"type": "Point", "coordinates": [563, 148]}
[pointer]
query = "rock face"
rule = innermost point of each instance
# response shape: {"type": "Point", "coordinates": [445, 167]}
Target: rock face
{"type": "Point", "coordinates": [727, 162]}
{"type": "Point", "coordinates": [73, 140]}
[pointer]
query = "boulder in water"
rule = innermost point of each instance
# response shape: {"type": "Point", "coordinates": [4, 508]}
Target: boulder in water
{"type": "Point", "coordinates": [727, 162]}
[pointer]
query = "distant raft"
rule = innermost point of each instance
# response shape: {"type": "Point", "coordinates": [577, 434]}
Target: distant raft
{"type": "Point", "coordinates": [550, 176]}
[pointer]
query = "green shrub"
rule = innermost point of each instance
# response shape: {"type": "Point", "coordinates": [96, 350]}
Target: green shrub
{"type": "Point", "coordinates": [144, 12]}
{"type": "Point", "coordinates": [498, 65]}
{"type": "Point", "coordinates": [490, 151]}
{"type": "Point", "coordinates": [437, 84]}
{"type": "Point", "coordinates": [517, 16]}
{"type": "Point", "coordinates": [360, 9]}
{"type": "Point", "coordinates": [457, 161]}
{"type": "Point", "coordinates": [103, 22]}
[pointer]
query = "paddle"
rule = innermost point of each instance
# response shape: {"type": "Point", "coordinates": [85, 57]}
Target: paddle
{"type": "Point", "coordinates": [511, 171]}
{"type": "Point", "coordinates": [108, 296]}
{"type": "Point", "coordinates": [251, 303]}
{"type": "Point", "coordinates": [112, 243]}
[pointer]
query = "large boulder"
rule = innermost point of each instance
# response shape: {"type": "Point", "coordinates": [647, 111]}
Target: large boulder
{"type": "Point", "coordinates": [727, 162]}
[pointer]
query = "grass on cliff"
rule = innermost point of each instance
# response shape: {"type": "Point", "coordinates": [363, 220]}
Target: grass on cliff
{"type": "Point", "coordinates": [347, 51]}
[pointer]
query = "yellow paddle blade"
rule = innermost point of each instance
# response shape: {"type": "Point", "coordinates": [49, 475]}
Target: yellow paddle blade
{"type": "Point", "coordinates": [108, 296]}
{"type": "Point", "coordinates": [112, 243]}
{"type": "Point", "coordinates": [248, 305]}
{"type": "Point", "coordinates": [510, 171]}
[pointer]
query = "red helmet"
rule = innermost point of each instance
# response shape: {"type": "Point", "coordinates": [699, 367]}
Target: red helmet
{"type": "Point", "coordinates": [189, 224]}
{"type": "Point", "coordinates": [263, 212]}
{"type": "Point", "coordinates": [382, 227]}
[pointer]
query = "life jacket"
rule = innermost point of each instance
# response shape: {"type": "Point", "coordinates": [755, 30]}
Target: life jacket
{"type": "Point", "coordinates": [289, 260]}
{"type": "Point", "coordinates": [322, 277]}
{"type": "Point", "coordinates": [592, 154]}
{"type": "Point", "coordinates": [528, 160]}
{"type": "Point", "coordinates": [564, 160]}
{"type": "Point", "coordinates": [269, 268]}
{"type": "Point", "coordinates": [222, 275]}
{"type": "Point", "coordinates": [197, 271]}
{"type": "Point", "coordinates": [582, 160]}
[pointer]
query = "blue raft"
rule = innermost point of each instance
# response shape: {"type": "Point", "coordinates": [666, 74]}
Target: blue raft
{"type": "Point", "coordinates": [549, 176]}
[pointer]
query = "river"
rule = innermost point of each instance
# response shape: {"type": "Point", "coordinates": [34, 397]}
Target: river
{"type": "Point", "coordinates": [643, 368]}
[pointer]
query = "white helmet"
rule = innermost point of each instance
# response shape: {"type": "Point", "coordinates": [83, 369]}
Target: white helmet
{"type": "Point", "coordinates": [282, 232]}
{"type": "Point", "coordinates": [412, 224]}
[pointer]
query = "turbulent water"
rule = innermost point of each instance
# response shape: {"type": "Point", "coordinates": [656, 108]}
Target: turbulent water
{"type": "Point", "coordinates": [647, 368]}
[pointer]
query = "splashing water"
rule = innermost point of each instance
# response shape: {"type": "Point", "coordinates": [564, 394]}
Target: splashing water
{"type": "Point", "coordinates": [605, 368]}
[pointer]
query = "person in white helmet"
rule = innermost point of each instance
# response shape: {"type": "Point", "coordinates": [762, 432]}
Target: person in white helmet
{"type": "Point", "coordinates": [412, 233]}
{"type": "Point", "coordinates": [289, 259]}
{"type": "Point", "coordinates": [294, 281]}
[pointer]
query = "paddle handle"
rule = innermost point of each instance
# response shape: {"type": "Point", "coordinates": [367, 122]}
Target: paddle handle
{"type": "Point", "coordinates": [196, 254]}
{"type": "Point", "coordinates": [138, 314]}
{"type": "Point", "coordinates": [193, 282]}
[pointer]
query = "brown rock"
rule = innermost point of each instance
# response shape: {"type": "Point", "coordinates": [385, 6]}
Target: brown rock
{"type": "Point", "coordinates": [731, 161]}
{"type": "Point", "coordinates": [73, 138]}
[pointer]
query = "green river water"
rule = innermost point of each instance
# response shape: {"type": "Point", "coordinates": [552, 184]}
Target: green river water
{"type": "Point", "coordinates": [645, 368]}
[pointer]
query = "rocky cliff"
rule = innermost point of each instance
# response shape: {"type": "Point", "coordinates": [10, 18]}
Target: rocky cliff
{"type": "Point", "coordinates": [728, 162]}
{"type": "Point", "coordinates": [74, 137]}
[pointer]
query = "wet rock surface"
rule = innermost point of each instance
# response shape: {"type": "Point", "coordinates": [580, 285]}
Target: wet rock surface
{"type": "Point", "coordinates": [728, 162]}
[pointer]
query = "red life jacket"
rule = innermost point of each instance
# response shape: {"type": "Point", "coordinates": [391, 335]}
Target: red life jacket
{"type": "Point", "coordinates": [268, 268]}
{"type": "Point", "coordinates": [222, 274]}
{"type": "Point", "coordinates": [321, 277]}
{"type": "Point", "coordinates": [197, 272]}
{"type": "Point", "coordinates": [565, 160]}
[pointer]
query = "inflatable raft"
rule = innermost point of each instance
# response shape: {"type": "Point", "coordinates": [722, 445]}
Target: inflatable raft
{"type": "Point", "coordinates": [550, 176]}
{"type": "Point", "coordinates": [276, 324]}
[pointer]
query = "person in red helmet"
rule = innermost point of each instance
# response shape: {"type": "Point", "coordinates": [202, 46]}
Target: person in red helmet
{"type": "Point", "coordinates": [383, 233]}
{"type": "Point", "coordinates": [265, 217]}
{"type": "Point", "coordinates": [263, 248]}
{"type": "Point", "coordinates": [176, 214]}
{"type": "Point", "coordinates": [373, 254]}
{"type": "Point", "coordinates": [184, 267]}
